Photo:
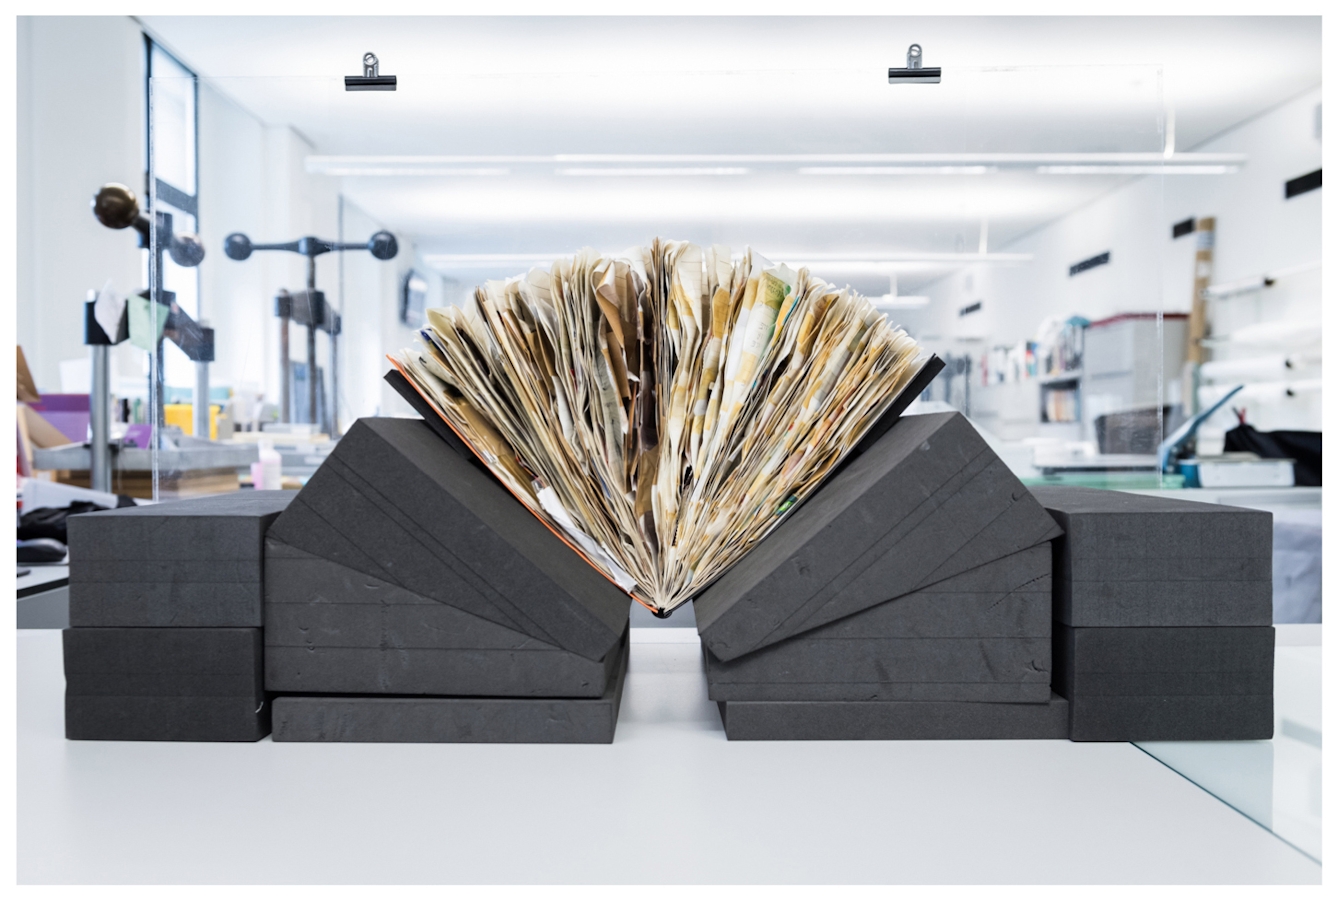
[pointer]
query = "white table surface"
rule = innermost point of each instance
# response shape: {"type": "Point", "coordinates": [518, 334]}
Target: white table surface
{"type": "Point", "coordinates": [669, 801]}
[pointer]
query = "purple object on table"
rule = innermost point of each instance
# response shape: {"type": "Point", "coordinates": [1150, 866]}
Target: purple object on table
{"type": "Point", "coordinates": [67, 412]}
{"type": "Point", "coordinates": [139, 435]}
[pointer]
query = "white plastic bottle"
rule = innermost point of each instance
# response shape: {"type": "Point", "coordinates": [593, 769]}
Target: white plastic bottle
{"type": "Point", "coordinates": [267, 474]}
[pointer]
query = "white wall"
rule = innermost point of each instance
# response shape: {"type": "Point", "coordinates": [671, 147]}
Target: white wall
{"type": "Point", "coordinates": [80, 125]}
{"type": "Point", "coordinates": [1257, 231]}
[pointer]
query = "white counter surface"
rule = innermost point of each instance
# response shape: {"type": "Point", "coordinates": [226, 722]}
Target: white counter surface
{"type": "Point", "coordinates": [669, 801]}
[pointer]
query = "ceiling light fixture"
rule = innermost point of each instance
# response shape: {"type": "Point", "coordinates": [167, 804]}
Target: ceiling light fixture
{"type": "Point", "coordinates": [846, 263]}
{"type": "Point", "coordinates": [806, 163]}
{"type": "Point", "coordinates": [898, 170]}
{"type": "Point", "coordinates": [413, 171]}
{"type": "Point", "coordinates": [1137, 170]}
{"type": "Point", "coordinates": [899, 301]}
{"type": "Point", "coordinates": [654, 172]}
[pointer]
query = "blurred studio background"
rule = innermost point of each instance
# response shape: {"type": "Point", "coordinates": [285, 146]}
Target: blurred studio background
{"type": "Point", "coordinates": [1109, 229]}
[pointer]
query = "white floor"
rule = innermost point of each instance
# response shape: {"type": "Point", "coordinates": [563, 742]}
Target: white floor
{"type": "Point", "coordinates": [669, 801]}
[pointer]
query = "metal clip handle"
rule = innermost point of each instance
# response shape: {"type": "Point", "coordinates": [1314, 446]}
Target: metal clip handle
{"type": "Point", "coordinates": [914, 57]}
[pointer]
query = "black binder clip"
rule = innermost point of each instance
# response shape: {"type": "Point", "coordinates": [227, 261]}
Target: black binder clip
{"type": "Point", "coordinates": [370, 79]}
{"type": "Point", "coordinates": [915, 72]}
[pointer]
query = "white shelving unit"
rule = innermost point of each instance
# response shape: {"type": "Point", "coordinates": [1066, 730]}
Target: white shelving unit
{"type": "Point", "coordinates": [1265, 333]}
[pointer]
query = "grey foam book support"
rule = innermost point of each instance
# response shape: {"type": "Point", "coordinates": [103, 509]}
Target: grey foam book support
{"type": "Point", "coordinates": [393, 501]}
{"type": "Point", "coordinates": [983, 635]}
{"type": "Point", "coordinates": [751, 720]}
{"type": "Point", "coordinates": [1211, 683]}
{"type": "Point", "coordinates": [927, 501]}
{"type": "Point", "coordinates": [1204, 717]}
{"type": "Point", "coordinates": [164, 684]}
{"type": "Point", "coordinates": [184, 563]}
{"type": "Point", "coordinates": [333, 629]}
{"type": "Point", "coordinates": [528, 720]}
{"type": "Point", "coordinates": [1138, 560]}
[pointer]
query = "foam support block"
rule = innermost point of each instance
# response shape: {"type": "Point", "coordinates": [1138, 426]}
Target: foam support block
{"type": "Point", "coordinates": [184, 563]}
{"type": "Point", "coordinates": [1166, 684]}
{"type": "Point", "coordinates": [1220, 660]}
{"type": "Point", "coordinates": [750, 720]}
{"type": "Point", "coordinates": [332, 629]}
{"type": "Point", "coordinates": [1245, 717]}
{"type": "Point", "coordinates": [1131, 560]}
{"type": "Point", "coordinates": [927, 501]}
{"type": "Point", "coordinates": [164, 684]}
{"type": "Point", "coordinates": [454, 719]}
{"type": "Point", "coordinates": [983, 635]}
{"type": "Point", "coordinates": [395, 502]}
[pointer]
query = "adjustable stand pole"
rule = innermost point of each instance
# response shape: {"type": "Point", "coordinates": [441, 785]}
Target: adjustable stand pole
{"type": "Point", "coordinates": [336, 326]}
{"type": "Point", "coordinates": [311, 341]}
{"type": "Point", "coordinates": [200, 402]}
{"type": "Point", "coordinates": [99, 421]}
{"type": "Point", "coordinates": [283, 308]}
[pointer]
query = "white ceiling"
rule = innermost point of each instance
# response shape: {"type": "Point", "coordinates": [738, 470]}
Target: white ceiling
{"type": "Point", "coordinates": [494, 87]}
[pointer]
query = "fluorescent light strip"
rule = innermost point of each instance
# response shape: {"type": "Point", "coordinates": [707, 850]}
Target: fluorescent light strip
{"type": "Point", "coordinates": [381, 165]}
{"type": "Point", "coordinates": [653, 172]}
{"type": "Point", "coordinates": [875, 262]}
{"type": "Point", "coordinates": [866, 257]}
{"type": "Point", "coordinates": [1137, 170]}
{"type": "Point", "coordinates": [411, 171]}
{"type": "Point", "coordinates": [898, 170]}
{"type": "Point", "coordinates": [887, 301]}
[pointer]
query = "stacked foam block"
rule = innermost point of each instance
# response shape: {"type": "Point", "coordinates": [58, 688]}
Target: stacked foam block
{"type": "Point", "coordinates": [1163, 617]}
{"type": "Point", "coordinates": [909, 599]}
{"type": "Point", "coordinates": [166, 608]}
{"type": "Point", "coordinates": [409, 597]}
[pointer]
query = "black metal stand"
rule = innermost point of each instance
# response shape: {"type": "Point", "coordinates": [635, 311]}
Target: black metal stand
{"type": "Point", "coordinates": [309, 308]}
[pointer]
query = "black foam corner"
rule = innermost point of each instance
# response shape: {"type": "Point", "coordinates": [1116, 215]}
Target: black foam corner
{"type": "Point", "coordinates": [929, 500]}
{"type": "Point", "coordinates": [393, 501]}
{"type": "Point", "coordinates": [1134, 560]}
{"type": "Point", "coordinates": [434, 421]}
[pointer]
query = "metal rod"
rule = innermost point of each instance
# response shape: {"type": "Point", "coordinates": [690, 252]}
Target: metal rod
{"type": "Point", "coordinates": [99, 421]}
{"type": "Point", "coordinates": [311, 340]}
{"type": "Point", "coordinates": [159, 394]}
{"type": "Point", "coordinates": [200, 402]}
{"type": "Point", "coordinates": [311, 373]}
{"type": "Point", "coordinates": [334, 374]}
{"type": "Point", "coordinates": [285, 360]}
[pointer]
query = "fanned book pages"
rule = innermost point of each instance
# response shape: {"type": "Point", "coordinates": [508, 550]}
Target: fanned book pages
{"type": "Point", "coordinates": [662, 409]}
